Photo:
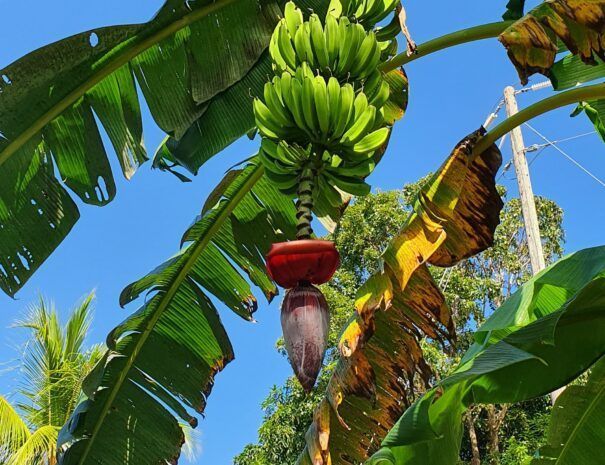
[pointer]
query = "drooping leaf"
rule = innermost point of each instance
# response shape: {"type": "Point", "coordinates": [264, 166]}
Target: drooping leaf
{"type": "Point", "coordinates": [532, 345]}
{"type": "Point", "coordinates": [532, 40]}
{"type": "Point", "coordinates": [576, 433]}
{"type": "Point", "coordinates": [188, 55]}
{"type": "Point", "coordinates": [162, 360]}
{"type": "Point", "coordinates": [455, 217]}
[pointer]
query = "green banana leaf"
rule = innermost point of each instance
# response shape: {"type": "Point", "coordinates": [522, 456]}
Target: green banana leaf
{"type": "Point", "coordinates": [576, 433]}
{"type": "Point", "coordinates": [595, 110]}
{"type": "Point", "coordinates": [185, 60]}
{"type": "Point", "coordinates": [161, 362]}
{"type": "Point", "coordinates": [455, 218]}
{"type": "Point", "coordinates": [535, 343]}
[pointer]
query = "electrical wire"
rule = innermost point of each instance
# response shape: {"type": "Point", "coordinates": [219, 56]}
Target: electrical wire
{"type": "Point", "coordinates": [565, 154]}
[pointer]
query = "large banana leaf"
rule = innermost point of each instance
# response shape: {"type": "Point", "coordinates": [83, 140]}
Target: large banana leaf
{"type": "Point", "coordinates": [162, 360]}
{"type": "Point", "coordinates": [184, 60]}
{"type": "Point", "coordinates": [576, 433]}
{"type": "Point", "coordinates": [535, 343]}
{"type": "Point", "coordinates": [532, 40]}
{"type": "Point", "coordinates": [455, 218]}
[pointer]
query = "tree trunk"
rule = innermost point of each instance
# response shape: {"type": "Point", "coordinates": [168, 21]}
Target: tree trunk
{"type": "Point", "coordinates": [472, 434]}
{"type": "Point", "coordinates": [495, 419]}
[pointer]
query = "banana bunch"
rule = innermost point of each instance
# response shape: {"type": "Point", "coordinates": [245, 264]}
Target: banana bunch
{"type": "Point", "coordinates": [342, 49]}
{"type": "Point", "coordinates": [304, 108]}
{"type": "Point", "coordinates": [284, 164]}
{"type": "Point", "coordinates": [367, 12]}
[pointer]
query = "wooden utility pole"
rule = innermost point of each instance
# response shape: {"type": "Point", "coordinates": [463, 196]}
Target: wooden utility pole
{"type": "Point", "coordinates": [526, 193]}
{"type": "Point", "coordinates": [528, 205]}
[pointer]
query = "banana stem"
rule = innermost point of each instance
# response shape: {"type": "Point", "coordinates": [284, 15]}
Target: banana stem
{"type": "Point", "coordinates": [580, 94]}
{"type": "Point", "coordinates": [305, 203]}
{"type": "Point", "coordinates": [484, 31]}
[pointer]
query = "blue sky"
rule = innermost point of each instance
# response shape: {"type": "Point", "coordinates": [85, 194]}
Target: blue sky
{"type": "Point", "coordinates": [451, 95]}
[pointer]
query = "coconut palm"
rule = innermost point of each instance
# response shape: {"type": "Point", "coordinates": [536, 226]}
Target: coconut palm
{"type": "Point", "coordinates": [54, 363]}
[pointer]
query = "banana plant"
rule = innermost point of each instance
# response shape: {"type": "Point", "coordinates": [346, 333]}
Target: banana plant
{"type": "Point", "coordinates": [533, 344]}
{"type": "Point", "coordinates": [324, 120]}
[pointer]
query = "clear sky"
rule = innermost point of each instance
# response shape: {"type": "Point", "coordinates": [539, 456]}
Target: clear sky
{"type": "Point", "coordinates": [451, 95]}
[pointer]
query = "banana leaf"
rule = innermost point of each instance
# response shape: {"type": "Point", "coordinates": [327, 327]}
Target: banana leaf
{"type": "Point", "coordinates": [455, 218]}
{"type": "Point", "coordinates": [535, 343]}
{"type": "Point", "coordinates": [184, 60]}
{"type": "Point", "coordinates": [576, 433]}
{"type": "Point", "coordinates": [161, 361]}
{"type": "Point", "coordinates": [595, 110]}
{"type": "Point", "coordinates": [532, 41]}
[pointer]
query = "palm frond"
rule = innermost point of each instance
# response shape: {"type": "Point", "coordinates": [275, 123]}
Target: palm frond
{"type": "Point", "coordinates": [39, 449]}
{"type": "Point", "coordinates": [13, 431]}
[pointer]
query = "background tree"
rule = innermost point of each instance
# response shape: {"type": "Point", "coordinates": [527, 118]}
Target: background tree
{"type": "Point", "coordinates": [54, 363]}
{"type": "Point", "coordinates": [473, 290]}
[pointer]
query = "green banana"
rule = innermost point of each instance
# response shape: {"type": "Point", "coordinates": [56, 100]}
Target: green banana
{"type": "Point", "coordinates": [347, 98]}
{"type": "Point", "coordinates": [320, 97]}
{"type": "Point", "coordinates": [362, 169]}
{"type": "Point", "coordinates": [360, 127]}
{"type": "Point", "coordinates": [279, 64]}
{"type": "Point", "coordinates": [382, 96]}
{"type": "Point", "coordinates": [308, 106]}
{"type": "Point", "coordinates": [371, 142]}
{"type": "Point", "coordinates": [297, 106]}
{"type": "Point", "coordinates": [318, 39]}
{"type": "Point", "coordinates": [280, 114]}
{"type": "Point", "coordinates": [333, 90]}
{"type": "Point", "coordinates": [347, 48]}
{"type": "Point", "coordinates": [354, 186]}
{"type": "Point", "coordinates": [293, 17]}
{"type": "Point", "coordinates": [332, 39]}
{"type": "Point", "coordinates": [267, 126]}
{"type": "Point", "coordinates": [284, 43]}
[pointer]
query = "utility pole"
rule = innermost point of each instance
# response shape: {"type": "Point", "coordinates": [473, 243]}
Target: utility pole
{"type": "Point", "coordinates": [528, 205]}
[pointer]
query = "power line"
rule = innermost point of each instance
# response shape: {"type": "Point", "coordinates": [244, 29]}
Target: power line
{"type": "Point", "coordinates": [535, 147]}
{"type": "Point", "coordinates": [565, 154]}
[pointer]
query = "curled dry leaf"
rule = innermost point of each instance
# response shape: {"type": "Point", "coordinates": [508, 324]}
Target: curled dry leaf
{"type": "Point", "coordinates": [381, 359]}
{"type": "Point", "coordinates": [532, 41]}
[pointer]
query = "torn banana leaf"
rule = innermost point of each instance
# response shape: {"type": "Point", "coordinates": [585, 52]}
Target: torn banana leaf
{"type": "Point", "coordinates": [183, 60]}
{"type": "Point", "coordinates": [531, 42]}
{"type": "Point", "coordinates": [533, 344]}
{"type": "Point", "coordinates": [161, 361]}
{"type": "Point", "coordinates": [455, 217]}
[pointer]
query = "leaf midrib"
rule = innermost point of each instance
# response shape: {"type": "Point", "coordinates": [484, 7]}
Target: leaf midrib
{"type": "Point", "coordinates": [111, 62]}
{"type": "Point", "coordinates": [592, 405]}
{"type": "Point", "coordinates": [196, 249]}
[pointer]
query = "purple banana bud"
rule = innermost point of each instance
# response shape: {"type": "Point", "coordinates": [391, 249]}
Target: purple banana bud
{"type": "Point", "coordinates": [305, 322]}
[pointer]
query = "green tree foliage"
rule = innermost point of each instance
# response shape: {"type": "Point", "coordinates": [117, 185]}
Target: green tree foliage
{"type": "Point", "coordinates": [473, 289]}
{"type": "Point", "coordinates": [54, 364]}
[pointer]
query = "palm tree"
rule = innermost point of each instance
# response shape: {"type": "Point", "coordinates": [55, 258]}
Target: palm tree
{"type": "Point", "coordinates": [53, 365]}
